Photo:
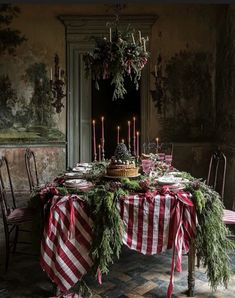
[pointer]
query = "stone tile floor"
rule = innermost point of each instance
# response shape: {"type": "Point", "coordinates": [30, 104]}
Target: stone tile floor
{"type": "Point", "coordinates": [132, 276]}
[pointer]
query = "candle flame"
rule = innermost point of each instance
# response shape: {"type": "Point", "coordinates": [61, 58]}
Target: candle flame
{"type": "Point", "coordinates": [134, 118]}
{"type": "Point", "coordinates": [137, 133]}
{"type": "Point", "coordinates": [102, 118]}
{"type": "Point", "coordinates": [129, 122]}
{"type": "Point", "coordinates": [99, 145]}
{"type": "Point", "coordinates": [118, 127]}
{"type": "Point", "coordinates": [93, 121]}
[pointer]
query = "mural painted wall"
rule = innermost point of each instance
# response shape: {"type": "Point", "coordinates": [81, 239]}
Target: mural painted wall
{"type": "Point", "coordinates": [183, 35]}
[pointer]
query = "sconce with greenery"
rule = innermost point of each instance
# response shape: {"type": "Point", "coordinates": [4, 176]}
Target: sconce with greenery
{"type": "Point", "coordinates": [119, 56]}
{"type": "Point", "coordinates": [10, 39]}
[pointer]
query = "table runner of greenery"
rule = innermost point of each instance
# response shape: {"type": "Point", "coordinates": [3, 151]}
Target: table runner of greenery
{"type": "Point", "coordinates": [212, 242]}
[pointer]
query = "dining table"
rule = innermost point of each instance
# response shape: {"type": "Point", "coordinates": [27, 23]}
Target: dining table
{"type": "Point", "coordinates": [153, 221]}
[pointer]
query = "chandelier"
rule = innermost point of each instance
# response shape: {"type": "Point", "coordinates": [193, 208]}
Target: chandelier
{"type": "Point", "coordinates": [117, 56]}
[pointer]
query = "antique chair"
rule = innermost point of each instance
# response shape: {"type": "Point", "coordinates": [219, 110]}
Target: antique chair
{"type": "Point", "coordinates": [31, 168]}
{"type": "Point", "coordinates": [217, 179]}
{"type": "Point", "coordinates": [13, 217]}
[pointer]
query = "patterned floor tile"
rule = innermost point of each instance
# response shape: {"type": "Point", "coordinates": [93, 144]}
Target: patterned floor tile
{"type": "Point", "coordinates": [144, 288]}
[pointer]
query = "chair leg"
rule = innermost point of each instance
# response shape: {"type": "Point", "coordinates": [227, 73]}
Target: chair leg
{"type": "Point", "coordinates": [15, 239]}
{"type": "Point", "coordinates": [7, 248]}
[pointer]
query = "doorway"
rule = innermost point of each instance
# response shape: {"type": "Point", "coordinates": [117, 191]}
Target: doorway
{"type": "Point", "coordinates": [116, 113]}
{"type": "Point", "coordinates": [80, 93]}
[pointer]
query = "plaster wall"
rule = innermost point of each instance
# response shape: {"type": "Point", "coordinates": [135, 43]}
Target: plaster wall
{"type": "Point", "coordinates": [178, 28]}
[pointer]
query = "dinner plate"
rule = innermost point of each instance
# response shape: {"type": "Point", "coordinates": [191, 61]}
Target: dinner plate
{"type": "Point", "coordinates": [81, 169]}
{"type": "Point", "coordinates": [166, 180]}
{"type": "Point", "coordinates": [72, 174]}
{"type": "Point", "coordinates": [84, 164]}
{"type": "Point", "coordinates": [76, 182]}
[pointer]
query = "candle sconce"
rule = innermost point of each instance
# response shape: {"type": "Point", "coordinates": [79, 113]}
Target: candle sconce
{"type": "Point", "coordinates": [57, 85]}
{"type": "Point", "coordinates": [159, 93]}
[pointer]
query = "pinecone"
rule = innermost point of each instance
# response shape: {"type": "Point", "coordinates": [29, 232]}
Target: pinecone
{"type": "Point", "coordinates": [122, 153]}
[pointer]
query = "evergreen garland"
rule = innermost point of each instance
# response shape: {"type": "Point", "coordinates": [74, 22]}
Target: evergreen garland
{"type": "Point", "coordinates": [107, 228]}
{"type": "Point", "coordinates": [212, 242]}
{"type": "Point", "coordinates": [117, 58]}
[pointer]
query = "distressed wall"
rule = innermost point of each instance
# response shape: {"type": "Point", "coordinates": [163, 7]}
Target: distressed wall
{"type": "Point", "coordinates": [180, 30]}
{"type": "Point", "coordinates": [225, 94]}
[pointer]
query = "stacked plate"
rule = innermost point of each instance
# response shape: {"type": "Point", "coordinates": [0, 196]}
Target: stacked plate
{"type": "Point", "coordinates": [173, 183]}
{"type": "Point", "coordinates": [82, 168]}
{"type": "Point", "coordinates": [78, 184]}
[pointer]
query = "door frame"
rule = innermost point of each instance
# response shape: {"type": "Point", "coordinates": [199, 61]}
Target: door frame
{"type": "Point", "coordinates": [78, 32]}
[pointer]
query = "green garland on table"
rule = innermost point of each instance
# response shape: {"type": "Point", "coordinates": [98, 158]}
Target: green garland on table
{"type": "Point", "coordinates": [212, 242]}
{"type": "Point", "coordinates": [107, 228]}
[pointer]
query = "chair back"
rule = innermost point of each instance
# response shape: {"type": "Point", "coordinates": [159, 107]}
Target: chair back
{"type": "Point", "coordinates": [5, 187]}
{"type": "Point", "coordinates": [31, 168]}
{"type": "Point", "coordinates": [217, 172]}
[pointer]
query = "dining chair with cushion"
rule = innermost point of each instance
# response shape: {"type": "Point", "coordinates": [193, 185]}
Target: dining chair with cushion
{"type": "Point", "coordinates": [31, 168]}
{"type": "Point", "coordinates": [14, 218]}
{"type": "Point", "coordinates": [217, 178]}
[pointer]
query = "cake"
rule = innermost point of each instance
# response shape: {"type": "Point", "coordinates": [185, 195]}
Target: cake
{"type": "Point", "coordinates": [122, 164]}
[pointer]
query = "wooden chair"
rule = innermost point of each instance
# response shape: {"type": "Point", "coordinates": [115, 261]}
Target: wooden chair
{"type": "Point", "coordinates": [13, 217]}
{"type": "Point", "coordinates": [31, 168]}
{"type": "Point", "coordinates": [217, 179]}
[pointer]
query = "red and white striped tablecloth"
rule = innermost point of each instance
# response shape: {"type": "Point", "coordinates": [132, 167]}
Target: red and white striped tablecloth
{"type": "Point", "coordinates": [153, 222]}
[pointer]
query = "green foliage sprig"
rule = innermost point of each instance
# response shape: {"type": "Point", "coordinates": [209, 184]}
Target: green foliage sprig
{"type": "Point", "coordinates": [212, 242]}
{"type": "Point", "coordinates": [117, 58]}
{"type": "Point", "coordinates": [107, 228]}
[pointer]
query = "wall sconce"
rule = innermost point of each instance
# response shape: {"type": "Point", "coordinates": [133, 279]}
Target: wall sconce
{"type": "Point", "coordinates": [57, 85]}
{"type": "Point", "coordinates": [159, 92]}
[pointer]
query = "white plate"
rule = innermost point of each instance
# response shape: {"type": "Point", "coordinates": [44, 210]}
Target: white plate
{"type": "Point", "coordinates": [84, 164]}
{"type": "Point", "coordinates": [76, 181]}
{"type": "Point", "coordinates": [71, 174]}
{"type": "Point", "coordinates": [81, 169]}
{"type": "Point", "coordinates": [167, 180]}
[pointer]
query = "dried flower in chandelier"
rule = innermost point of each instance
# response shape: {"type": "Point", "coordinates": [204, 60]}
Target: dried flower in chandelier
{"type": "Point", "coordinates": [118, 57]}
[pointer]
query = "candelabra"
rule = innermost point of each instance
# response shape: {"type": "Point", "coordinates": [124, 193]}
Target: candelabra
{"type": "Point", "coordinates": [57, 85]}
{"type": "Point", "coordinates": [102, 149]}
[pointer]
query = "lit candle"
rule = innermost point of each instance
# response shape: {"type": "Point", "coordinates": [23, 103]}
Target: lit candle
{"type": "Point", "coordinates": [137, 143]}
{"type": "Point", "coordinates": [140, 37]}
{"type": "Point", "coordinates": [123, 141]}
{"type": "Point", "coordinates": [118, 134]}
{"type": "Point", "coordinates": [133, 38]}
{"type": "Point", "coordinates": [157, 140]}
{"type": "Point", "coordinates": [129, 133]}
{"type": "Point", "coordinates": [99, 152]}
{"type": "Point", "coordinates": [94, 139]}
{"type": "Point", "coordinates": [134, 148]}
{"type": "Point", "coordinates": [102, 130]}
{"type": "Point", "coordinates": [110, 34]}
{"type": "Point", "coordinates": [51, 74]}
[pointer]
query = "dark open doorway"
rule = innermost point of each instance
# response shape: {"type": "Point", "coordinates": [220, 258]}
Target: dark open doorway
{"type": "Point", "coordinates": [115, 113]}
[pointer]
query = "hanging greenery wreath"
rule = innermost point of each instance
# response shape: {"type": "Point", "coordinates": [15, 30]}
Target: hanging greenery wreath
{"type": "Point", "coordinates": [122, 55]}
